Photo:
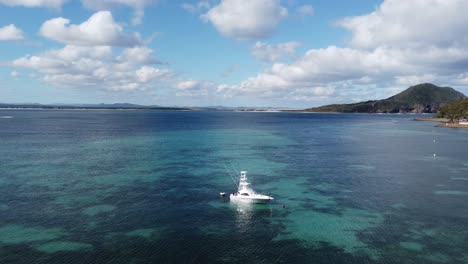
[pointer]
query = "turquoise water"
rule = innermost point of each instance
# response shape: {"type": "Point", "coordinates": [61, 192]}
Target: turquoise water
{"type": "Point", "coordinates": [142, 187]}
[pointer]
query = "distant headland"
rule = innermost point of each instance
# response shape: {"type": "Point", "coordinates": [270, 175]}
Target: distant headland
{"type": "Point", "coordinates": [421, 98]}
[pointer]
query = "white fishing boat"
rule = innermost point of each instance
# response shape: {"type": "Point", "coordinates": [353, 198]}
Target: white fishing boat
{"type": "Point", "coordinates": [246, 194]}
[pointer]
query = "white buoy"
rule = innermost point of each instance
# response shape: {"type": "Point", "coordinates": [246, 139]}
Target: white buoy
{"type": "Point", "coordinates": [434, 155]}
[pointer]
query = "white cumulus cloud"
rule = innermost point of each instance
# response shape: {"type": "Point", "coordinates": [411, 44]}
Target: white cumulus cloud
{"type": "Point", "coordinates": [96, 67]}
{"type": "Point", "coordinates": [56, 4]}
{"type": "Point", "coordinates": [14, 74]}
{"type": "Point", "coordinates": [148, 73]}
{"type": "Point", "coordinates": [311, 93]}
{"type": "Point", "coordinates": [99, 29]}
{"type": "Point", "coordinates": [409, 80]}
{"type": "Point", "coordinates": [462, 79]}
{"type": "Point", "coordinates": [306, 10]}
{"type": "Point", "coordinates": [193, 88]}
{"type": "Point", "coordinates": [246, 20]}
{"type": "Point", "coordinates": [317, 68]}
{"type": "Point", "coordinates": [274, 52]}
{"type": "Point", "coordinates": [137, 5]}
{"type": "Point", "coordinates": [197, 7]}
{"type": "Point", "coordinates": [11, 32]}
{"type": "Point", "coordinates": [402, 43]}
{"type": "Point", "coordinates": [415, 23]}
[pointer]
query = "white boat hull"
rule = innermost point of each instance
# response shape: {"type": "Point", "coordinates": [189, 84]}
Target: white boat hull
{"type": "Point", "coordinates": [251, 199]}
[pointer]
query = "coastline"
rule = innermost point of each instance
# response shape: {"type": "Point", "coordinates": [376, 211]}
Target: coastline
{"type": "Point", "coordinates": [98, 108]}
{"type": "Point", "coordinates": [443, 122]}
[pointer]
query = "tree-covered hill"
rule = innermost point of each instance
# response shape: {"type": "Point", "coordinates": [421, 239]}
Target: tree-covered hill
{"type": "Point", "coordinates": [421, 98]}
{"type": "Point", "coordinates": [454, 110]}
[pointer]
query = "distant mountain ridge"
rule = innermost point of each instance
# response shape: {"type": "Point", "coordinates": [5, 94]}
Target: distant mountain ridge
{"type": "Point", "coordinates": [421, 98]}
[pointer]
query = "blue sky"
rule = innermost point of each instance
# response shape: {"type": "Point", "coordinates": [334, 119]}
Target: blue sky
{"type": "Point", "coordinates": [285, 53]}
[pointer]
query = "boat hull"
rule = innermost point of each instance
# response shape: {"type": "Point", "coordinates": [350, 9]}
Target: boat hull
{"type": "Point", "coordinates": [243, 199]}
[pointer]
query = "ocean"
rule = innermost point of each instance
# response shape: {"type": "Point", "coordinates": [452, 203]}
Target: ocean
{"type": "Point", "coordinates": [122, 186]}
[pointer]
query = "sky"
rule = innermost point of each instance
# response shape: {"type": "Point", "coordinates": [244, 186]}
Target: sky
{"type": "Point", "coordinates": [277, 53]}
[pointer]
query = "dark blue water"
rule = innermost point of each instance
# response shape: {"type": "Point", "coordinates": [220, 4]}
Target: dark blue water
{"type": "Point", "coordinates": [143, 187]}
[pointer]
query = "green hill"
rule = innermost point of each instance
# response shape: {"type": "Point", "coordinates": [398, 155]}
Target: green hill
{"type": "Point", "coordinates": [421, 98]}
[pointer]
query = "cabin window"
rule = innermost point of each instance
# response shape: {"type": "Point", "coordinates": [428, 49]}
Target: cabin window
{"type": "Point", "coordinates": [245, 194]}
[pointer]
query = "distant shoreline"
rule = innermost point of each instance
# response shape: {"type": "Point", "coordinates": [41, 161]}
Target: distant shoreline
{"type": "Point", "coordinates": [97, 108]}
{"type": "Point", "coordinates": [443, 122]}
{"type": "Point", "coordinates": [247, 110]}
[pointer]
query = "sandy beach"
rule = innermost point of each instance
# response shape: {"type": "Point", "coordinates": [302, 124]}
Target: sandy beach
{"type": "Point", "coordinates": [444, 122]}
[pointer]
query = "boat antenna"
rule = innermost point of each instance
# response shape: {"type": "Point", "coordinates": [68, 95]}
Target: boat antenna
{"type": "Point", "coordinates": [232, 167]}
{"type": "Point", "coordinates": [230, 175]}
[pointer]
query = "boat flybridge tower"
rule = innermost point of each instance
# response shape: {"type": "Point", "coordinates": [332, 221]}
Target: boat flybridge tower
{"type": "Point", "coordinates": [246, 194]}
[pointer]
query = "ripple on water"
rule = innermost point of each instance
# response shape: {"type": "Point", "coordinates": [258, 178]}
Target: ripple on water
{"type": "Point", "coordinates": [411, 245]}
{"type": "Point", "coordinates": [144, 232]}
{"type": "Point", "coordinates": [295, 193]}
{"type": "Point", "coordinates": [338, 230]}
{"type": "Point", "coordinates": [98, 209]}
{"type": "Point", "coordinates": [93, 183]}
{"type": "Point", "coordinates": [323, 186]}
{"type": "Point", "coordinates": [438, 257]}
{"type": "Point", "coordinates": [17, 234]}
{"type": "Point", "coordinates": [57, 246]}
{"type": "Point", "coordinates": [361, 167]}
{"type": "Point", "coordinates": [450, 192]}
{"type": "Point", "coordinates": [74, 200]}
{"type": "Point", "coordinates": [398, 206]}
{"type": "Point", "coordinates": [459, 179]}
{"type": "Point", "coordinates": [218, 204]}
{"type": "Point", "coordinates": [303, 222]}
